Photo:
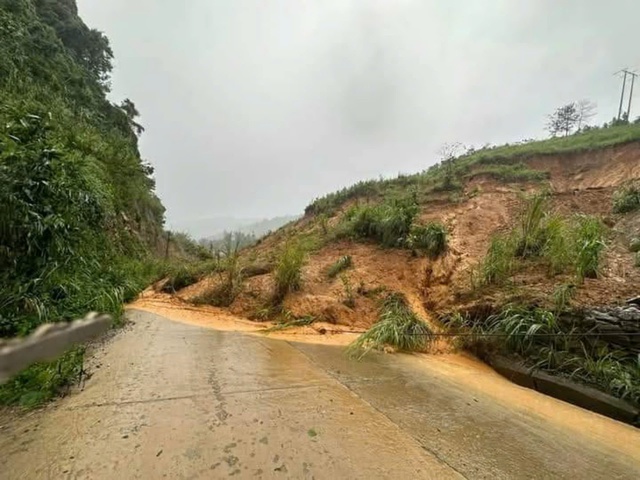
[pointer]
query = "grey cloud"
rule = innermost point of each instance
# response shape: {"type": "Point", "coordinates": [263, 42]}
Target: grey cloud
{"type": "Point", "coordinates": [252, 108]}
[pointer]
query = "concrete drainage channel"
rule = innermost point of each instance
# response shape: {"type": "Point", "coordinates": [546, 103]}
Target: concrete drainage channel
{"type": "Point", "coordinates": [568, 391]}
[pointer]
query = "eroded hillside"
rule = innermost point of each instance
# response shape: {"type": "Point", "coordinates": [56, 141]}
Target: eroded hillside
{"type": "Point", "coordinates": [521, 246]}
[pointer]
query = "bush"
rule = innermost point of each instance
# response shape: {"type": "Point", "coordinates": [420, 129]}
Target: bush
{"type": "Point", "coordinates": [430, 238]}
{"type": "Point", "coordinates": [288, 272]}
{"type": "Point", "coordinates": [546, 342]}
{"type": "Point", "coordinates": [561, 243]}
{"type": "Point", "coordinates": [340, 265]}
{"type": "Point", "coordinates": [389, 224]}
{"type": "Point", "coordinates": [627, 199]}
{"type": "Point", "coordinates": [397, 326]}
{"type": "Point", "coordinates": [349, 298]}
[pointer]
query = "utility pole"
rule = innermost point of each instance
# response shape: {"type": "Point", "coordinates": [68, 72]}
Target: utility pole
{"type": "Point", "coordinates": [633, 76]}
{"type": "Point", "coordinates": [633, 79]}
{"type": "Point", "coordinates": [624, 83]}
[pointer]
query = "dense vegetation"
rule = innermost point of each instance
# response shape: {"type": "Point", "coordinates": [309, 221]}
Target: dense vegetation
{"type": "Point", "coordinates": [392, 224]}
{"type": "Point", "coordinates": [79, 218]}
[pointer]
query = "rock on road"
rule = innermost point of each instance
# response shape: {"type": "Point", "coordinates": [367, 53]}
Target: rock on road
{"type": "Point", "coordinates": [170, 400]}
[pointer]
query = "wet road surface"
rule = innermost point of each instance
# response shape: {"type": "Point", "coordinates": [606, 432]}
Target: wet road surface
{"type": "Point", "coordinates": [170, 400]}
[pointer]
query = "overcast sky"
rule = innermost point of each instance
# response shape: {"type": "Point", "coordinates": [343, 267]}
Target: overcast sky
{"type": "Point", "coordinates": [255, 107]}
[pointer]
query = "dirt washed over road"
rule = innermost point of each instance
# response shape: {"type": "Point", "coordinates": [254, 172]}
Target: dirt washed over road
{"type": "Point", "coordinates": [173, 400]}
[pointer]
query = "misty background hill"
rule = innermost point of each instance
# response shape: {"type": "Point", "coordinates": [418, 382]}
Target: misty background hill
{"type": "Point", "coordinates": [213, 228]}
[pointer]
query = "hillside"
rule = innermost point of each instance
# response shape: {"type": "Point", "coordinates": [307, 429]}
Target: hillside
{"type": "Point", "coordinates": [80, 223]}
{"type": "Point", "coordinates": [516, 240]}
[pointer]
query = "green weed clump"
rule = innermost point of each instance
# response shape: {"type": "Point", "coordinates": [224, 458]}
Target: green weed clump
{"type": "Point", "coordinates": [398, 326]}
{"type": "Point", "coordinates": [545, 237]}
{"type": "Point", "coordinates": [589, 244]}
{"type": "Point", "coordinates": [389, 224]}
{"type": "Point", "coordinates": [288, 271]}
{"type": "Point", "coordinates": [343, 263]}
{"type": "Point", "coordinates": [562, 296]}
{"type": "Point", "coordinates": [497, 266]}
{"type": "Point", "coordinates": [627, 199]}
{"type": "Point", "coordinates": [430, 238]}
{"type": "Point", "coordinates": [547, 342]}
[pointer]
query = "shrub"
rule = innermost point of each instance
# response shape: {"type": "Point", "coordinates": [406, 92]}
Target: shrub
{"type": "Point", "coordinates": [389, 223]}
{"type": "Point", "coordinates": [340, 265]}
{"type": "Point", "coordinates": [627, 199]}
{"type": "Point", "coordinates": [180, 278]}
{"type": "Point", "coordinates": [634, 245]}
{"type": "Point", "coordinates": [397, 326]}
{"type": "Point", "coordinates": [349, 298]}
{"type": "Point", "coordinates": [288, 272]}
{"type": "Point", "coordinates": [559, 242]}
{"type": "Point", "coordinates": [430, 238]}
{"type": "Point", "coordinates": [521, 326]}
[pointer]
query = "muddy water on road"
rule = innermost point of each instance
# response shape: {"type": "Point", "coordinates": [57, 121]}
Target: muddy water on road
{"type": "Point", "coordinates": [179, 401]}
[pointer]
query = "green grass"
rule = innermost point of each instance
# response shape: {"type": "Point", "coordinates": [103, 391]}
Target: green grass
{"type": "Point", "coordinates": [388, 223]}
{"type": "Point", "coordinates": [397, 326]}
{"type": "Point", "coordinates": [627, 198]}
{"type": "Point", "coordinates": [498, 264]}
{"type": "Point", "coordinates": [518, 172]}
{"type": "Point", "coordinates": [545, 341]}
{"type": "Point", "coordinates": [589, 243]}
{"type": "Point", "coordinates": [430, 238]}
{"type": "Point", "coordinates": [43, 381]}
{"type": "Point", "coordinates": [542, 236]}
{"type": "Point", "coordinates": [562, 296]}
{"type": "Point", "coordinates": [288, 271]}
{"type": "Point", "coordinates": [343, 263]}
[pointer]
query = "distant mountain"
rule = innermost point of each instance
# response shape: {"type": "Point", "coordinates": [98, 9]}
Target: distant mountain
{"type": "Point", "coordinates": [258, 228]}
{"type": "Point", "coordinates": [213, 228]}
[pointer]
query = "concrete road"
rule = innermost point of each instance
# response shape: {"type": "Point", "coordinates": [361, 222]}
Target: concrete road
{"type": "Point", "coordinates": [170, 400]}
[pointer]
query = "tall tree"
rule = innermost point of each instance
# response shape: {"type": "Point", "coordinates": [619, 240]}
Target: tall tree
{"type": "Point", "coordinates": [563, 120]}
